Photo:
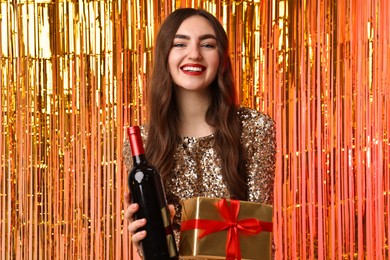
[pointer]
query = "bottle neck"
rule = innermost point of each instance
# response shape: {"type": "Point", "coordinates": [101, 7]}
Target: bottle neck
{"type": "Point", "coordinates": [139, 159]}
{"type": "Point", "coordinates": [137, 147]}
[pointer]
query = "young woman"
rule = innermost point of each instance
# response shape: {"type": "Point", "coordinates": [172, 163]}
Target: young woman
{"type": "Point", "coordinates": [200, 139]}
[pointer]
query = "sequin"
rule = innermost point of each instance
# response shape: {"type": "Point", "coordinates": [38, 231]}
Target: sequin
{"type": "Point", "coordinates": [197, 170]}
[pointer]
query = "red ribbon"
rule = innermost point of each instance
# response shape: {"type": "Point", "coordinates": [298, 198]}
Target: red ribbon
{"type": "Point", "coordinates": [235, 227]}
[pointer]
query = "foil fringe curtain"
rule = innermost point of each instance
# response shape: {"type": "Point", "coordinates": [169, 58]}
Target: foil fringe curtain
{"type": "Point", "coordinates": [73, 75]}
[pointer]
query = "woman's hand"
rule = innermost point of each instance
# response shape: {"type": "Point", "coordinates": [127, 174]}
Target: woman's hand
{"type": "Point", "coordinates": [134, 225]}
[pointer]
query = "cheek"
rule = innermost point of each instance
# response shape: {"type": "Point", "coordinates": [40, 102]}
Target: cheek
{"type": "Point", "coordinates": [215, 63]}
{"type": "Point", "coordinates": [172, 62]}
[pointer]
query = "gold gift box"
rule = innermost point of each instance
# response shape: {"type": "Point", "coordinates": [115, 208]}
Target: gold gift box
{"type": "Point", "coordinates": [213, 245]}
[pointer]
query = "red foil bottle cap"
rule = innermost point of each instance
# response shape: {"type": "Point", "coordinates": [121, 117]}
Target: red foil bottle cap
{"type": "Point", "coordinates": [134, 134]}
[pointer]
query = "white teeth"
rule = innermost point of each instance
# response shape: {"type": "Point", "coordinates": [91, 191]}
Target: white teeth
{"type": "Point", "coordinates": [192, 69]}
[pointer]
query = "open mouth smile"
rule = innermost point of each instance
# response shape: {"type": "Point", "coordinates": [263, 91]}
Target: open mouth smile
{"type": "Point", "coordinates": [193, 68]}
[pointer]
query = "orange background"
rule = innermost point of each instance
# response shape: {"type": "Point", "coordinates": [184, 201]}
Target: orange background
{"type": "Point", "coordinates": [73, 75]}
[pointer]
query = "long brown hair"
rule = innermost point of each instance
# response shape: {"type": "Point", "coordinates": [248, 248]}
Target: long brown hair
{"type": "Point", "coordinates": [222, 114]}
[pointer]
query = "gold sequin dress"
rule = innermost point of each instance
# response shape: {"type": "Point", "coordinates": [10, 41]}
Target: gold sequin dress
{"type": "Point", "coordinates": [197, 170]}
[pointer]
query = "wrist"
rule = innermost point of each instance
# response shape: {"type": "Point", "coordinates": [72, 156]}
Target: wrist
{"type": "Point", "coordinates": [141, 255]}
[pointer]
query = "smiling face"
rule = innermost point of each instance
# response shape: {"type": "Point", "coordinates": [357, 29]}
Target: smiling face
{"type": "Point", "coordinates": [193, 59]}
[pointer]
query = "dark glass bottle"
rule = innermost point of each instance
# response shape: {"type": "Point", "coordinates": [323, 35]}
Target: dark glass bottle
{"type": "Point", "coordinates": [147, 190]}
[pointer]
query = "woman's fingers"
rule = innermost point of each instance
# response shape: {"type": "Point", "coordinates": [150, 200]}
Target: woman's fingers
{"type": "Point", "coordinates": [137, 237]}
{"type": "Point", "coordinates": [127, 198]}
{"type": "Point", "coordinates": [130, 211]}
{"type": "Point", "coordinates": [135, 225]}
{"type": "Point", "coordinates": [172, 211]}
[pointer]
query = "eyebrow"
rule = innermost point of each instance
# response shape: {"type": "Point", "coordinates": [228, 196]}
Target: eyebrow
{"type": "Point", "coordinates": [202, 37]}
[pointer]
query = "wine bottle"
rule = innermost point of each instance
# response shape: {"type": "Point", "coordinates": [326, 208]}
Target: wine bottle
{"type": "Point", "coordinates": [147, 190]}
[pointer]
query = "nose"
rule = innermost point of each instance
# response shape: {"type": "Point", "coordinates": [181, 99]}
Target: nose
{"type": "Point", "coordinates": [194, 53]}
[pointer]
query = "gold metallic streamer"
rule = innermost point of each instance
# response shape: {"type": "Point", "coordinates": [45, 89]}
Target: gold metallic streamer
{"type": "Point", "coordinates": [73, 74]}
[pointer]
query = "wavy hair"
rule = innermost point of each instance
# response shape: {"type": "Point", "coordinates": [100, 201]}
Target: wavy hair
{"type": "Point", "coordinates": [222, 114]}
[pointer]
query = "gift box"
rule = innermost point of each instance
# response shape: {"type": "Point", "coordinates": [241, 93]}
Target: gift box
{"type": "Point", "coordinates": [225, 229]}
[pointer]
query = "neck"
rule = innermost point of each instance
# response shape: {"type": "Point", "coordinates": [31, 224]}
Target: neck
{"type": "Point", "coordinates": [193, 106]}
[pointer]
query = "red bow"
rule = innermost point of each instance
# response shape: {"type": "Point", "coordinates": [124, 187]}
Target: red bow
{"type": "Point", "coordinates": [250, 226]}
